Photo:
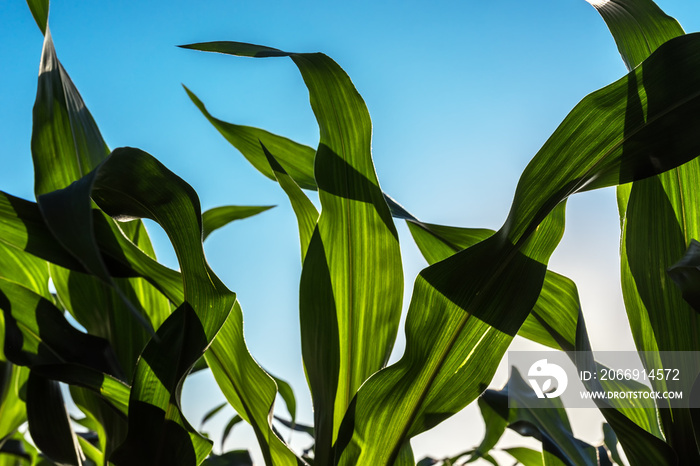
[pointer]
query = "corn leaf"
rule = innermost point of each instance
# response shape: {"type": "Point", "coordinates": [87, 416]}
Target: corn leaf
{"type": "Point", "coordinates": [304, 209]}
{"type": "Point", "coordinates": [211, 413]}
{"type": "Point", "coordinates": [49, 423]}
{"type": "Point", "coordinates": [40, 12]}
{"type": "Point", "coordinates": [635, 422]}
{"type": "Point", "coordinates": [297, 159]}
{"type": "Point", "coordinates": [156, 423]}
{"type": "Point", "coordinates": [610, 440]}
{"type": "Point", "coordinates": [352, 278]}
{"type": "Point", "coordinates": [229, 426]}
{"type": "Point", "coordinates": [215, 218]}
{"type": "Point", "coordinates": [549, 425]}
{"type": "Point", "coordinates": [248, 388]}
{"type": "Point", "coordinates": [526, 456]}
{"type": "Point", "coordinates": [638, 26]}
{"type": "Point", "coordinates": [660, 219]}
{"type": "Point", "coordinates": [552, 321]}
{"type": "Point", "coordinates": [24, 229]}
{"type": "Point", "coordinates": [13, 411]}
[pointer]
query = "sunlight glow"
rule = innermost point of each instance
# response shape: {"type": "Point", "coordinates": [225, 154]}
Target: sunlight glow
{"type": "Point", "coordinates": [598, 3]}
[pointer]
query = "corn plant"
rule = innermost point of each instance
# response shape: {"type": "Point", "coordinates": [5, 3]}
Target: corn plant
{"type": "Point", "coordinates": [147, 326]}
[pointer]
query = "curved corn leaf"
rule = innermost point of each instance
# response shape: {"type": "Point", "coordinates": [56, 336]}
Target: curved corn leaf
{"type": "Point", "coordinates": [211, 413]}
{"type": "Point", "coordinates": [550, 426]}
{"type": "Point", "coordinates": [552, 321]}
{"type": "Point", "coordinates": [635, 423]}
{"type": "Point", "coordinates": [304, 209]}
{"type": "Point", "coordinates": [610, 441]}
{"type": "Point", "coordinates": [249, 389]}
{"type": "Point", "coordinates": [526, 456]}
{"type": "Point", "coordinates": [49, 423]}
{"type": "Point", "coordinates": [638, 26]}
{"type": "Point", "coordinates": [158, 433]}
{"type": "Point", "coordinates": [66, 143]}
{"type": "Point", "coordinates": [25, 224]}
{"type": "Point", "coordinates": [661, 217]}
{"type": "Point", "coordinates": [294, 426]}
{"type": "Point", "coordinates": [155, 420]}
{"type": "Point", "coordinates": [37, 333]}
{"type": "Point", "coordinates": [297, 159]}
{"type": "Point", "coordinates": [352, 278]}
{"type": "Point", "coordinates": [13, 411]}
{"type": "Point", "coordinates": [38, 336]}
{"type": "Point", "coordinates": [24, 229]}
{"type": "Point", "coordinates": [230, 458]}
{"type": "Point", "coordinates": [215, 218]}
{"type": "Point", "coordinates": [495, 423]}
{"type": "Point", "coordinates": [287, 393]}
{"type": "Point", "coordinates": [109, 424]}
{"type": "Point", "coordinates": [227, 430]}
{"type": "Point", "coordinates": [40, 11]}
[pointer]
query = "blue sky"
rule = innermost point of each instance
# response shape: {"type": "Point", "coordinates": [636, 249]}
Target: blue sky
{"type": "Point", "coordinates": [462, 95]}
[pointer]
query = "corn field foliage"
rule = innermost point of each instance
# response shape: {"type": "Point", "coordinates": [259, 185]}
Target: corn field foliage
{"type": "Point", "coordinates": [147, 327]}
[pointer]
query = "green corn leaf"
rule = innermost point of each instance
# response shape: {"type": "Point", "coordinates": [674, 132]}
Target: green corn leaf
{"type": "Point", "coordinates": [304, 209]}
{"type": "Point", "coordinates": [40, 11]}
{"type": "Point", "coordinates": [229, 426]}
{"type": "Point", "coordinates": [109, 424]}
{"type": "Point", "coordinates": [552, 321]}
{"type": "Point", "coordinates": [249, 389]}
{"type": "Point", "coordinates": [636, 424]}
{"type": "Point", "coordinates": [352, 279]}
{"type": "Point", "coordinates": [13, 411]}
{"type": "Point", "coordinates": [230, 458]}
{"type": "Point", "coordinates": [297, 159]}
{"type": "Point", "coordinates": [549, 425]}
{"type": "Point", "coordinates": [16, 451]}
{"type": "Point", "coordinates": [287, 393]}
{"type": "Point", "coordinates": [660, 218]}
{"type": "Point", "coordinates": [526, 456]}
{"type": "Point", "coordinates": [686, 274]}
{"type": "Point", "coordinates": [66, 143]}
{"type": "Point", "coordinates": [495, 423]}
{"type": "Point", "coordinates": [156, 423]}
{"type": "Point", "coordinates": [25, 224]}
{"type": "Point", "coordinates": [215, 218]}
{"type": "Point", "coordinates": [24, 229]}
{"type": "Point", "coordinates": [211, 413]}
{"type": "Point", "coordinates": [610, 441]}
{"type": "Point", "coordinates": [638, 26]}
{"type": "Point", "coordinates": [38, 336]}
{"type": "Point", "coordinates": [37, 333]}
{"type": "Point", "coordinates": [436, 242]}
{"type": "Point", "coordinates": [155, 420]}
{"type": "Point", "coordinates": [294, 426]}
{"type": "Point", "coordinates": [49, 423]}
{"type": "Point", "coordinates": [93, 455]}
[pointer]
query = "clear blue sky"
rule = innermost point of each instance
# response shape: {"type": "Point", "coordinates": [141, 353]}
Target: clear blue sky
{"type": "Point", "coordinates": [461, 94]}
